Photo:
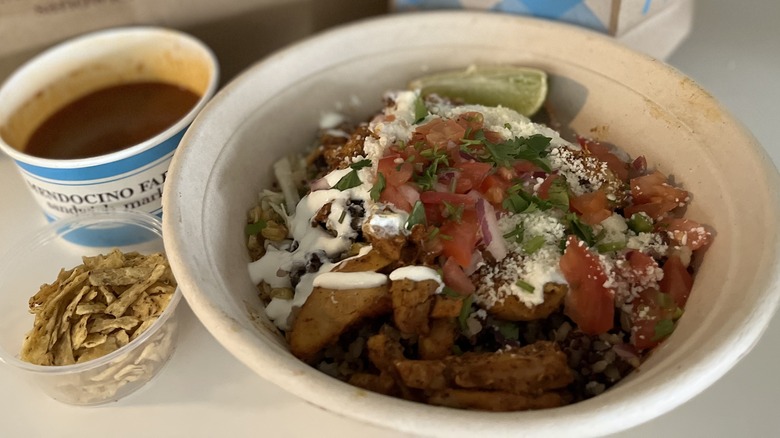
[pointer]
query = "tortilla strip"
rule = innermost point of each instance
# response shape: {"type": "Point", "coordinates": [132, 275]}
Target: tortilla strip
{"type": "Point", "coordinates": [118, 307]}
{"type": "Point", "coordinates": [45, 328]}
{"type": "Point", "coordinates": [63, 350]}
{"type": "Point", "coordinates": [87, 308]}
{"type": "Point", "coordinates": [48, 290]}
{"type": "Point", "coordinates": [108, 296]}
{"type": "Point", "coordinates": [70, 309]}
{"type": "Point", "coordinates": [123, 276]}
{"type": "Point", "coordinates": [142, 328]}
{"type": "Point", "coordinates": [114, 259]}
{"type": "Point", "coordinates": [108, 324]}
{"type": "Point", "coordinates": [79, 332]}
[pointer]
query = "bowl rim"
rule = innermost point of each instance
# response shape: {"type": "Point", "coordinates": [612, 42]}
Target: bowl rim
{"type": "Point", "coordinates": [586, 418]}
{"type": "Point", "coordinates": [53, 230]}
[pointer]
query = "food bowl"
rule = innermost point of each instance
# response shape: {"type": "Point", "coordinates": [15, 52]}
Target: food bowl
{"type": "Point", "coordinates": [36, 260]}
{"type": "Point", "coordinates": [597, 88]}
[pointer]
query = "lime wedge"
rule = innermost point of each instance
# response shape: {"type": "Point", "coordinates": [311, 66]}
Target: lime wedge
{"type": "Point", "coordinates": [522, 89]}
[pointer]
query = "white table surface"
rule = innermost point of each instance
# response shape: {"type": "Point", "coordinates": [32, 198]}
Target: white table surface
{"type": "Point", "coordinates": [733, 51]}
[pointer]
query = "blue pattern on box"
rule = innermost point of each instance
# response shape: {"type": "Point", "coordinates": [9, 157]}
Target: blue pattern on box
{"type": "Point", "coordinates": [569, 11]}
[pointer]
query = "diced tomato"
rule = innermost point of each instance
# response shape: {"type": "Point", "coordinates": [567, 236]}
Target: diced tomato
{"type": "Point", "coordinates": [431, 197]}
{"type": "Point", "coordinates": [438, 133]}
{"type": "Point", "coordinates": [395, 173]}
{"type": "Point", "coordinates": [410, 154]}
{"type": "Point", "coordinates": [677, 281]}
{"type": "Point", "coordinates": [493, 137]}
{"type": "Point", "coordinates": [686, 232]}
{"type": "Point", "coordinates": [466, 176]}
{"type": "Point", "coordinates": [588, 303]}
{"type": "Point", "coordinates": [638, 167]}
{"type": "Point", "coordinates": [655, 187]}
{"type": "Point", "coordinates": [602, 153]}
{"type": "Point", "coordinates": [392, 195]}
{"type": "Point", "coordinates": [592, 207]}
{"type": "Point", "coordinates": [641, 268]}
{"type": "Point", "coordinates": [544, 188]}
{"type": "Point", "coordinates": [456, 279]}
{"type": "Point", "coordinates": [471, 121]}
{"type": "Point", "coordinates": [653, 195]}
{"type": "Point", "coordinates": [459, 238]}
{"type": "Point", "coordinates": [525, 166]}
{"type": "Point", "coordinates": [494, 189]}
{"type": "Point", "coordinates": [641, 265]}
{"type": "Point", "coordinates": [434, 213]}
{"type": "Point", "coordinates": [472, 174]}
{"type": "Point", "coordinates": [648, 309]}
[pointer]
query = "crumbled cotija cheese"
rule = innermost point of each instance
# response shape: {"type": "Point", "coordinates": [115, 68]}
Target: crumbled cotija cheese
{"type": "Point", "coordinates": [536, 269]}
{"type": "Point", "coordinates": [583, 174]}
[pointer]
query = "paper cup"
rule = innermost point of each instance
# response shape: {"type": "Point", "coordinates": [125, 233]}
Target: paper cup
{"type": "Point", "coordinates": [131, 178]}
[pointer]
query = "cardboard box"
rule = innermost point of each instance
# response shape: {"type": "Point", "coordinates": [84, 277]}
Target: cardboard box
{"type": "Point", "coordinates": [240, 32]}
{"type": "Point", "coordinates": [655, 27]}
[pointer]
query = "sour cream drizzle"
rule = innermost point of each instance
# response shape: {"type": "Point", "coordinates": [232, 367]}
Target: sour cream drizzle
{"type": "Point", "coordinates": [350, 280]}
{"type": "Point", "coordinates": [417, 273]}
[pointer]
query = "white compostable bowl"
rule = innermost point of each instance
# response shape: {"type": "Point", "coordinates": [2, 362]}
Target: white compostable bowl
{"type": "Point", "coordinates": [596, 88]}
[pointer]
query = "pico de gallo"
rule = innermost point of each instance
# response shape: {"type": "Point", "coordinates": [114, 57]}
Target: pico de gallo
{"type": "Point", "coordinates": [539, 239]}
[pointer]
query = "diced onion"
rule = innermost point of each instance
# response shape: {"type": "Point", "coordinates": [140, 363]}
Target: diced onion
{"type": "Point", "coordinates": [491, 234]}
{"type": "Point", "coordinates": [320, 184]}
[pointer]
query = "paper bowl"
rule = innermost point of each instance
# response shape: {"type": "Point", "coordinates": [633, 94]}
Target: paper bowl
{"type": "Point", "coordinates": [596, 88]}
{"type": "Point", "coordinates": [36, 260]}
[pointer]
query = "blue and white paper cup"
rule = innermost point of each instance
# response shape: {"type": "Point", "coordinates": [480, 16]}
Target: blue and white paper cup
{"type": "Point", "coordinates": [131, 178]}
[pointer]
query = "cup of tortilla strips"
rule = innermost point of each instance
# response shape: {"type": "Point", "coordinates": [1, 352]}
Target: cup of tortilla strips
{"type": "Point", "coordinates": [89, 324]}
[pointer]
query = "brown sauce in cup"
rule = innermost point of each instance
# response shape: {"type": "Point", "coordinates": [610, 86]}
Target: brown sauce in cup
{"type": "Point", "coordinates": [110, 119]}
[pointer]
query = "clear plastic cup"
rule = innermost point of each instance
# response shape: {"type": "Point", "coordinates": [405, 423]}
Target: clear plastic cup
{"type": "Point", "coordinates": [36, 260]}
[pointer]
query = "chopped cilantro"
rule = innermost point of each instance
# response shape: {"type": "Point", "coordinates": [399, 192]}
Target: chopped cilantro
{"type": "Point", "coordinates": [610, 247]}
{"type": "Point", "coordinates": [640, 223]}
{"type": "Point", "coordinates": [533, 149]}
{"type": "Point", "coordinates": [449, 292]}
{"type": "Point", "coordinates": [515, 203]}
{"type": "Point", "coordinates": [360, 164]}
{"type": "Point", "coordinates": [519, 201]}
{"type": "Point", "coordinates": [417, 216]}
{"type": "Point", "coordinates": [583, 231]}
{"type": "Point", "coordinates": [379, 186]}
{"type": "Point", "coordinates": [429, 176]}
{"type": "Point", "coordinates": [348, 181]}
{"type": "Point", "coordinates": [420, 110]}
{"type": "Point", "coordinates": [558, 194]}
{"type": "Point", "coordinates": [534, 244]}
{"type": "Point", "coordinates": [516, 234]}
{"type": "Point", "coordinates": [465, 311]}
{"type": "Point", "coordinates": [662, 329]}
{"type": "Point", "coordinates": [255, 228]}
{"type": "Point", "coordinates": [453, 212]}
{"type": "Point", "coordinates": [525, 286]}
{"type": "Point", "coordinates": [508, 329]}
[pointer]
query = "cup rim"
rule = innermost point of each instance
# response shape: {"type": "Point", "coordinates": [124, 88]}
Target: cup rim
{"type": "Point", "coordinates": [127, 217]}
{"type": "Point", "coordinates": [71, 44]}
